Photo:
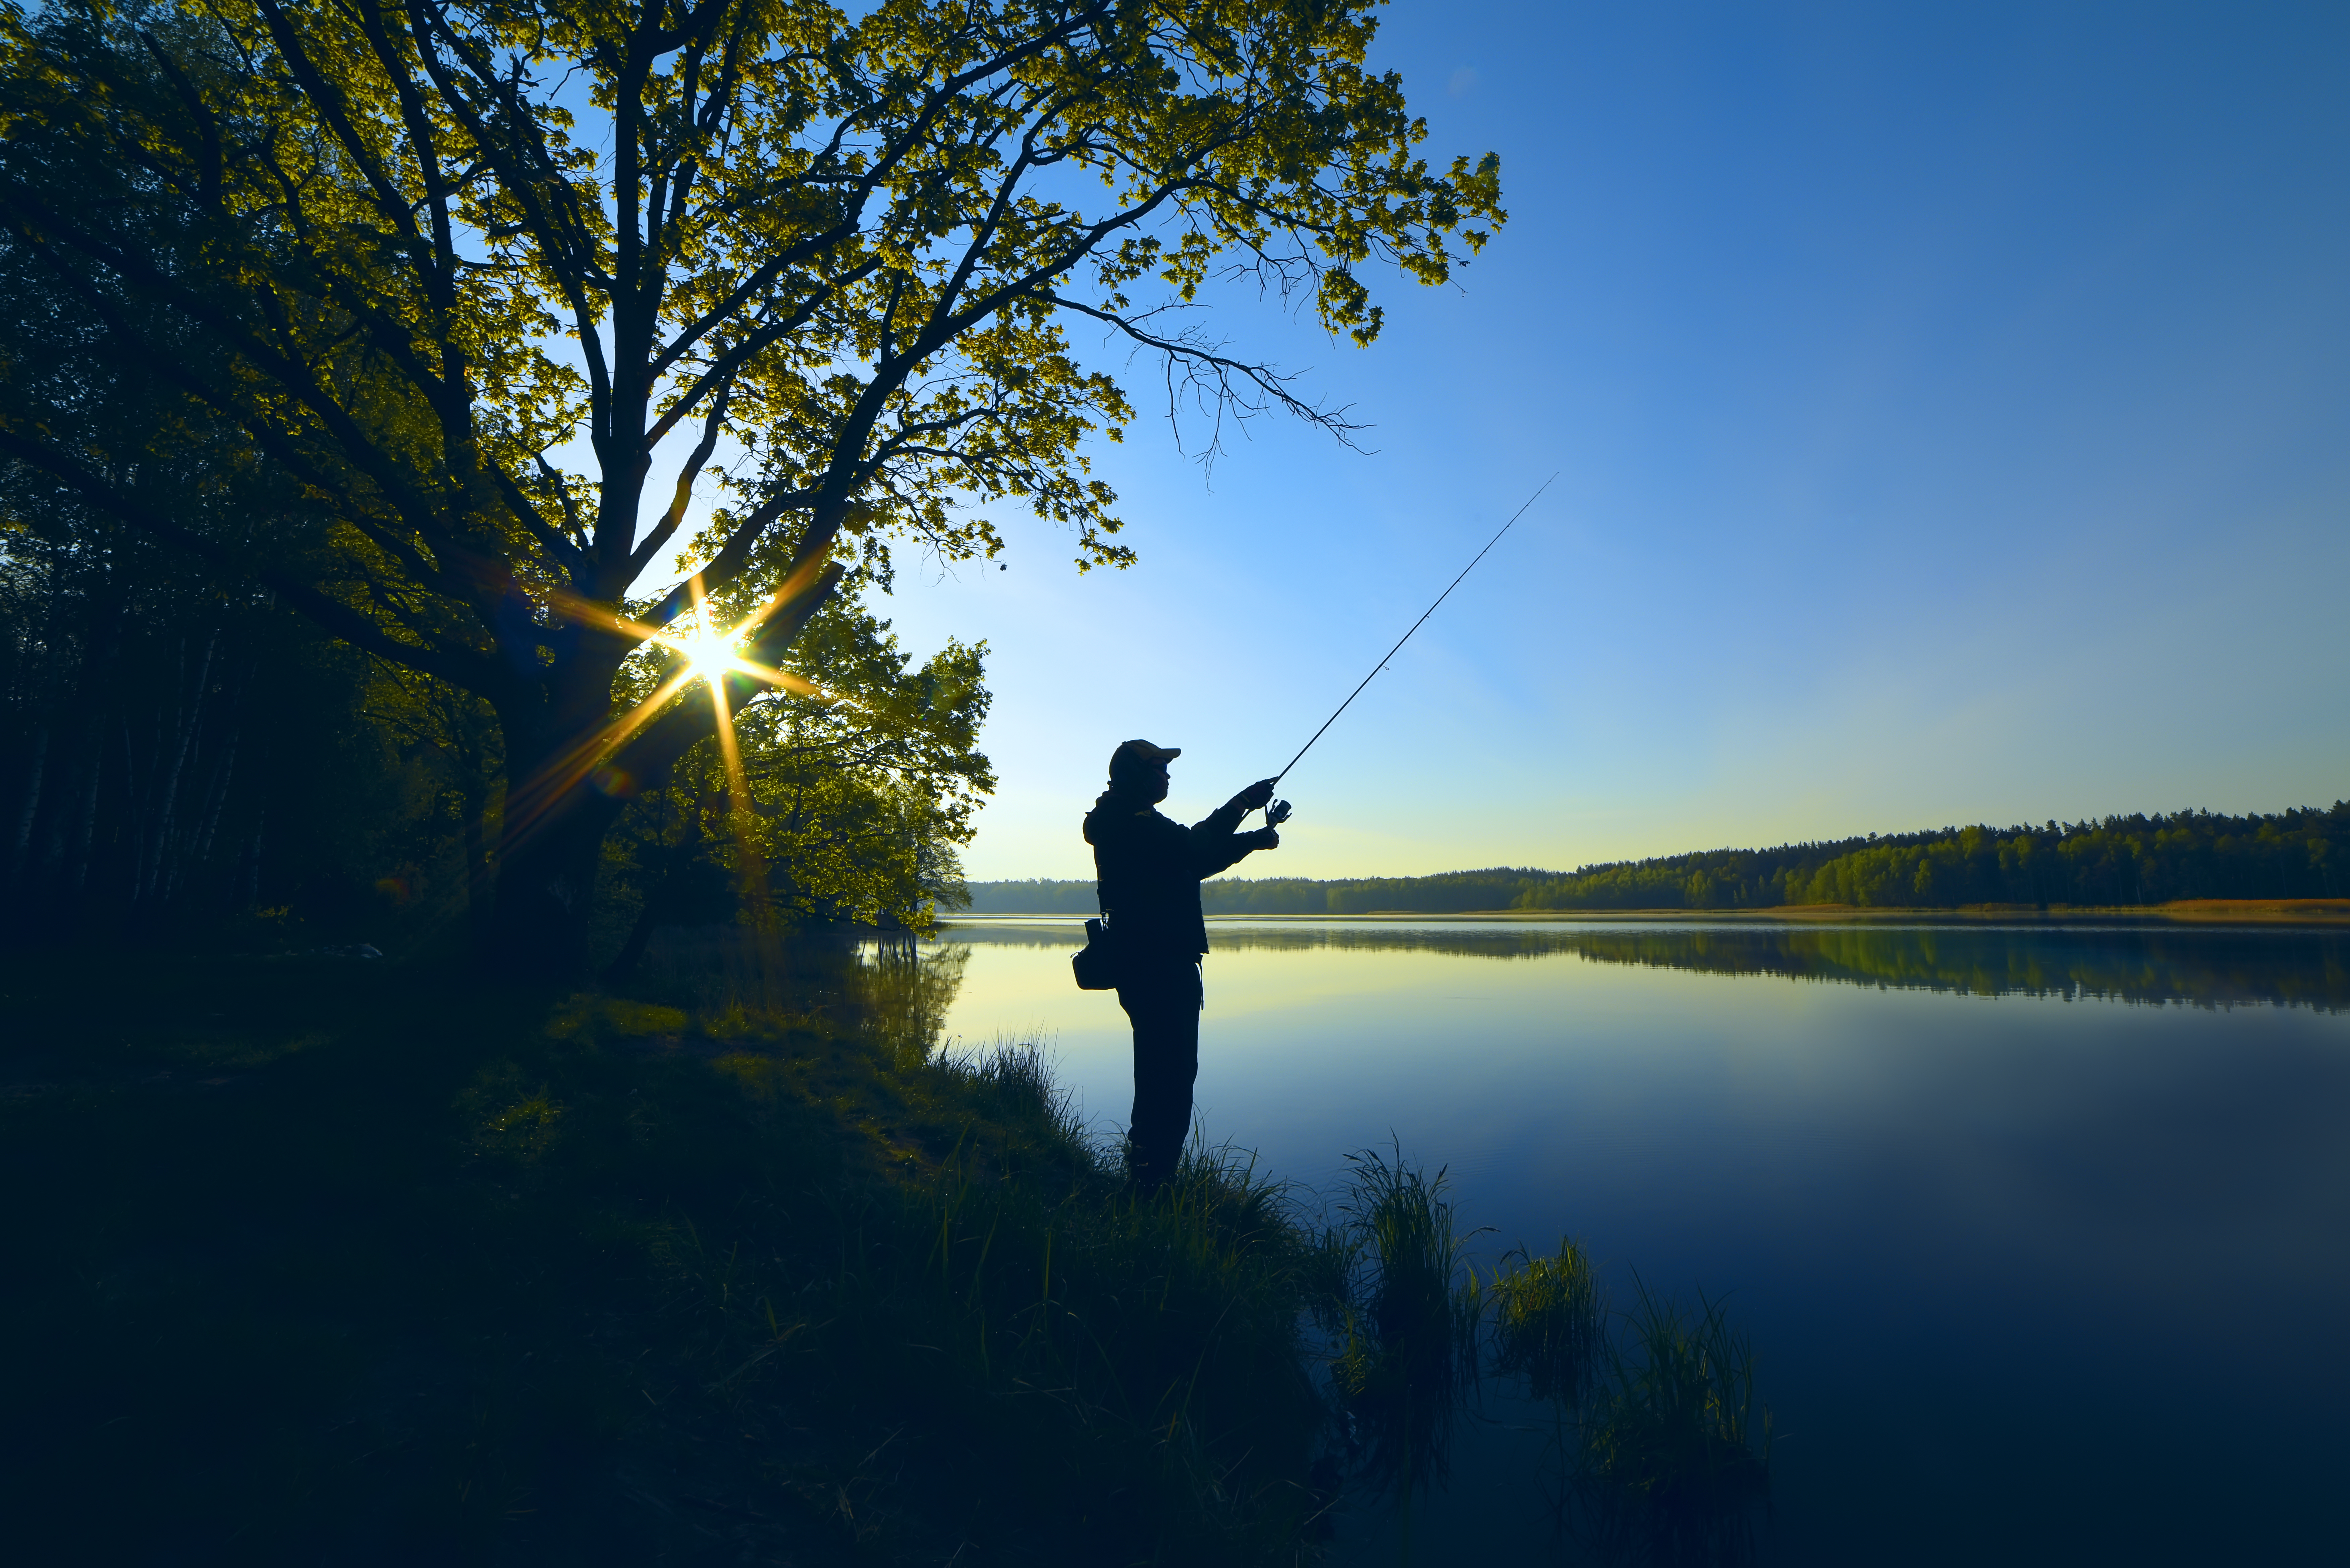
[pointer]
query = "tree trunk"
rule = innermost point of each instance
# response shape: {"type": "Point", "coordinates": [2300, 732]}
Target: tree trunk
{"type": "Point", "coordinates": [550, 851]}
{"type": "Point", "coordinates": [551, 836]}
{"type": "Point", "coordinates": [478, 902]}
{"type": "Point", "coordinates": [35, 770]}
{"type": "Point", "coordinates": [78, 847]}
{"type": "Point", "coordinates": [244, 889]}
{"type": "Point", "coordinates": [547, 876]}
{"type": "Point", "coordinates": [165, 813]}
{"type": "Point", "coordinates": [632, 952]}
{"type": "Point", "coordinates": [216, 798]}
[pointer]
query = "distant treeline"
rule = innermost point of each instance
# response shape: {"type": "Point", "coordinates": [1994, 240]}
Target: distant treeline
{"type": "Point", "coordinates": [2299, 854]}
{"type": "Point", "coordinates": [1449, 893]}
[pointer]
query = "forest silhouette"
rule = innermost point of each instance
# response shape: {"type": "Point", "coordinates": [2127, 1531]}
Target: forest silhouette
{"type": "Point", "coordinates": [2117, 861]}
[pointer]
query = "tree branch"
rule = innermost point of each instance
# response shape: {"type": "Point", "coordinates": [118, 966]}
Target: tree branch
{"type": "Point", "coordinates": [474, 674]}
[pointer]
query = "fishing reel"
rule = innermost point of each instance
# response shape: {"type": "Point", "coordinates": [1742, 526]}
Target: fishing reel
{"type": "Point", "coordinates": [1276, 813]}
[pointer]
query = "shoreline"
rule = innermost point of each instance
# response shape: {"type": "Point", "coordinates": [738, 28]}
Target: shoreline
{"type": "Point", "coordinates": [2307, 913]}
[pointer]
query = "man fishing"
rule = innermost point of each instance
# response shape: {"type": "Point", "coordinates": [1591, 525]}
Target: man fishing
{"type": "Point", "coordinates": [1150, 869]}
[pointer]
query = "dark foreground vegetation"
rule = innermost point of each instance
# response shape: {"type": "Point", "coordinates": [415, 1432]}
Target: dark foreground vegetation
{"type": "Point", "coordinates": [333, 1264]}
{"type": "Point", "coordinates": [2122, 860]}
{"type": "Point", "coordinates": [321, 1259]}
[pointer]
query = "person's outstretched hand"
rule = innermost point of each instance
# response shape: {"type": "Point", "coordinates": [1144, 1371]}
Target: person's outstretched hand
{"type": "Point", "coordinates": [1267, 838]}
{"type": "Point", "coordinates": [1255, 795]}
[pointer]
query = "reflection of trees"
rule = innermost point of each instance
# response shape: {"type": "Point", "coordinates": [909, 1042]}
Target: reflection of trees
{"type": "Point", "coordinates": [888, 985]}
{"type": "Point", "coordinates": [2208, 968]}
{"type": "Point", "coordinates": [904, 989]}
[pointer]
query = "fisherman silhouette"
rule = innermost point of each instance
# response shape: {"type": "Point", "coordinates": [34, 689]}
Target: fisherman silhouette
{"type": "Point", "coordinates": [1151, 868]}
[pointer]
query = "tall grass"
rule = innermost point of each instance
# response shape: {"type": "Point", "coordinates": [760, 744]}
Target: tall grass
{"type": "Point", "coordinates": [1676, 1471]}
{"type": "Point", "coordinates": [1549, 1318]}
{"type": "Point", "coordinates": [1103, 1375]}
{"type": "Point", "coordinates": [1658, 1456]}
{"type": "Point", "coordinates": [1406, 1312]}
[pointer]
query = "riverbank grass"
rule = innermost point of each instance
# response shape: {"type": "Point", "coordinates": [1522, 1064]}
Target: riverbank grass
{"type": "Point", "coordinates": [331, 1260]}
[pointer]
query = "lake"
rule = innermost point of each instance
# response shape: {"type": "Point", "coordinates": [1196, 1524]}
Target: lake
{"type": "Point", "coordinates": [2042, 1233]}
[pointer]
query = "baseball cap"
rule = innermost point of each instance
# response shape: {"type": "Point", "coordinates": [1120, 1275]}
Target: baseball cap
{"type": "Point", "coordinates": [1137, 753]}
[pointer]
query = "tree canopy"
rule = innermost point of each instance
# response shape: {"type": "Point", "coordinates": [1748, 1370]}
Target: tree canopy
{"type": "Point", "coordinates": [482, 292]}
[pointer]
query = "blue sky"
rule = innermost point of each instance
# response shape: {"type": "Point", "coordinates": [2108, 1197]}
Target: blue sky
{"type": "Point", "coordinates": [1952, 413]}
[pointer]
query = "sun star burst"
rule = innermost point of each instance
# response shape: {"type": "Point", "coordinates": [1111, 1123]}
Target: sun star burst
{"type": "Point", "coordinates": [709, 652]}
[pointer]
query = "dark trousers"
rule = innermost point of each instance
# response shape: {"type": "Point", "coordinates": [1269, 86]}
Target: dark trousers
{"type": "Point", "coordinates": [1161, 995]}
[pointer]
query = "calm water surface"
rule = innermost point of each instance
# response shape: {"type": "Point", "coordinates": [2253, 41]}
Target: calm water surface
{"type": "Point", "coordinates": [2043, 1236]}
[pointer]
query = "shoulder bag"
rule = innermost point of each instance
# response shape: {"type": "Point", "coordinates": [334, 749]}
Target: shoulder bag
{"type": "Point", "coordinates": [1095, 964]}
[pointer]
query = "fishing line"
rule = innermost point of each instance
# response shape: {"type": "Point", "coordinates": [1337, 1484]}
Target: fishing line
{"type": "Point", "coordinates": [1391, 652]}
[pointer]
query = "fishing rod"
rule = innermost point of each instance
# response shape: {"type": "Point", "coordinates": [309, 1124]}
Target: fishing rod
{"type": "Point", "coordinates": [1278, 812]}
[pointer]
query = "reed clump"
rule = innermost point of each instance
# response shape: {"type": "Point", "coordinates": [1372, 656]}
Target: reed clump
{"type": "Point", "coordinates": [1658, 1451]}
{"type": "Point", "coordinates": [1549, 1317]}
{"type": "Point", "coordinates": [1550, 1331]}
{"type": "Point", "coordinates": [1677, 1472]}
{"type": "Point", "coordinates": [1404, 1311]}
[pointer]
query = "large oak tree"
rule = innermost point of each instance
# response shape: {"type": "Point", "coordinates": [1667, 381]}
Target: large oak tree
{"type": "Point", "coordinates": [494, 285]}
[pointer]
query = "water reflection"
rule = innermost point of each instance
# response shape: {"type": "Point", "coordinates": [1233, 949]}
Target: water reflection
{"type": "Point", "coordinates": [888, 987]}
{"type": "Point", "coordinates": [2019, 1217]}
{"type": "Point", "coordinates": [2202, 966]}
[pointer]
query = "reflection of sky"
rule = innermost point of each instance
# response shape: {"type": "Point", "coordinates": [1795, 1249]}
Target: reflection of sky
{"type": "Point", "coordinates": [2002, 1255]}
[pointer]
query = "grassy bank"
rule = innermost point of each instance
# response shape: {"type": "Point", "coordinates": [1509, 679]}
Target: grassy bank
{"type": "Point", "coordinates": [324, 1259]}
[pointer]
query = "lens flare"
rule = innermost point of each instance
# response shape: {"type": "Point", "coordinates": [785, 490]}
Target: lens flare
{"type": "Point", "coordinates": [708, 654]}
{"type": "Point", "coordinates": [704, 654]}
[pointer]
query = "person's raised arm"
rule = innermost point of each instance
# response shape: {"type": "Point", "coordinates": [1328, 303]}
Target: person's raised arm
{"type": "Point", "coordinates": [1256, 795]}
{"type": "Point", "coordinates": [1216, 846]}
{"type": "Point", "coordinates": [1227, 816]}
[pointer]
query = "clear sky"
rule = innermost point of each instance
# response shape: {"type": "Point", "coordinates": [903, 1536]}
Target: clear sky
{"type": "Point", "coordinates": [1951, 411]}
